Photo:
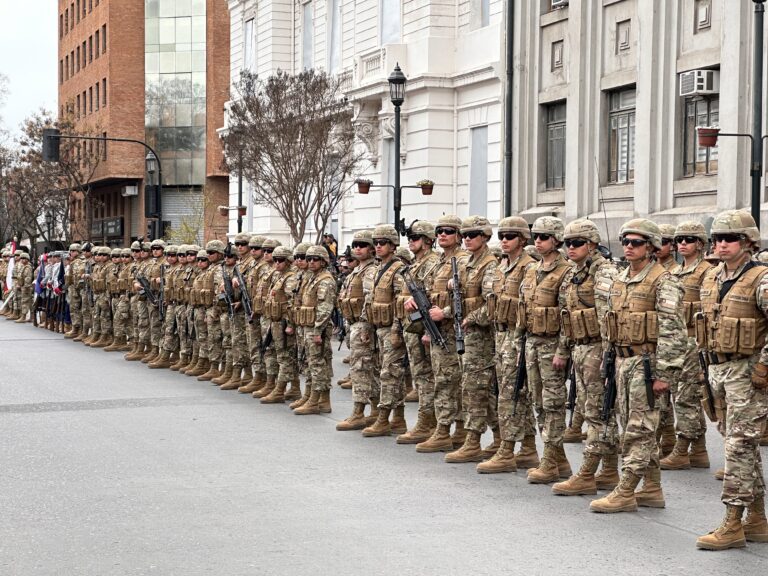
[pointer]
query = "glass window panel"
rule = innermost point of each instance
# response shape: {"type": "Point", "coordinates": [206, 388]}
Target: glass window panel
{"type": "Point", "coordinates": [198, 61]}
{"type": "Point", "coordinates": [151, 31]}
{"type": "Point", "coordinates": [334, 58]}
{"type": "Point", "coordinates": [197, 86]}
{"type": "Point", "coordinates": [151, 8]}
{"type": "Point", "coordinates": [184, 171]}
{"type": "Point", "coordinates": [307, 36]}
{"type": "Point", "coordinates": [184, 114]}
{"type": "Point", "coordinates": [198, 29]}
{"type": "Point", "coordinates": [183, 62]}
{"type": "Point", "coordinates": [167, 8]}
{"type": "Point", "coordinates": [248, 45]}
{"type": "Point", "coordinates": [165, 139]}
{"type": "Point", "coordinates": [485, 13]}
{"type": "Point", "coordinates": [168, 115]}
{"type": "Point", "coordinates": [198, 7]}
{"type": "Point", "coordinates": [151, 63]}
{"type": "Point", "coordinates": [183, 30]}
{"type": "Point", "coordinates": [183, 7]}
{"type": "Point", "coordinates": [198, 112]}
{"type": "Point", "coordinates": [167, 62]}
{"type": "Point", "coordinates": [198, 171]}
{"type": "Point", "coordinates": [167, 31]}
{"type": "Point", "coordinates": [389, 28]}
{"type": "Point", "coordinates": [186, 47]}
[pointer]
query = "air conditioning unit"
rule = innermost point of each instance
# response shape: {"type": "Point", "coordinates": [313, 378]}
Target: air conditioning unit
{"type": "Point", "coordinates": [128, 191]}
{"type": "Point", "coordinates": [699, 82]}
{"type": "Point", "coordinates": [559, 4]}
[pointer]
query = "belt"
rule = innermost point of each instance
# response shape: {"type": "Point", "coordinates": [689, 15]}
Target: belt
{"type": "Point", "coordinates": [499, 327]}
{"type": "Point", "coordinates": [721, 358]}
{"type": "Point", "coordinates": [584, 341]}
{"type": "Point", "coordinates": [630, 351]}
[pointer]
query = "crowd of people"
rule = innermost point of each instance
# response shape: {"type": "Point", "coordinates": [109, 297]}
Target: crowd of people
{"type": "Point", "coordinates": [543, 334]}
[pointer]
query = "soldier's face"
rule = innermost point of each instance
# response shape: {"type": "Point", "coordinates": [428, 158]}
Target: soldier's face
{"type": "Point", "coordinates": [447, 237]}
{"type": "Point", "coordinates": [202, 264]}
{"type": "Point", "coordinates": [577, 253]}
{"type": "Point", "coordinates": [384, 249]}
{"type": "Point", "coordinates": [474, 241]}
{"type": "Point", "coordinates": [361, 251]}
{"type": "Point", "coordinates": [316, 265]}
{"type": "Point", "coordinates": [686, 249]}
{"type": "Point", "coordinates": [242, 250]}
{"type": "Point", "coordinates": [72, 254]}
{"type": "Point", "coordinates": [300, 262]}
{"type": "Point", "coordinates": [729, 251]}
{"type": "Point", "coordinates": [544, 246]}
{"type": "Point", "coordinates": [635, 253]}
{"type": "Point", "coordinates": [666, 249]}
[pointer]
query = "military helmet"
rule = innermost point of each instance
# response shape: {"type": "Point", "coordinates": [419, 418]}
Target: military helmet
{"type": "Point", "coordinates": [667, 231]}
{"type": "Point", "coordinates": [365, 236]}
{"type": "Point", "coordinates": [762, 256]}
{"type": "Point", "coordinates": [256, 241]}
{"type": "Point", "coordinates": [692, 228]}
{"type": "Point", "coordinates": [183, 249]}
{"type": "Point", "coordinates": [301, 248]}
{"type": "Point", "coordinates": [271, 243]}
{"type": "Point", "coordinates": [449, 221]}
{"type": "Point", "coordinates": [87, 247]}
{"type": "Point", "coordinates": [146, 246]}
{"type": "Point", "coordinates": [242, 237]}
{"type": "Point", "coordinates": [194, 248]}
{"type": "Point", "coordinates": [116, 253]}
{"type": "Point", "coordinates": [125, 252]}
{"type": "Point", "coordinates": [643, 227]}
{"type": "Point", "coordinates": [159, 243]}
{"type": "Point", "coordinates": [215, 246]}
{"type": "Point", "coordinates": [135, 245]}
{"type": "Point", "coordinates": [549, 225]}
{"type": "Point", "coordinates": [422, 228]}
{"type": "Point", "coordinates": [172, 249]}
{"type": "Point", "coordinates": [6, 253]}
{"type": "Point", "coordinates": [106, 251]}
{"type": "Point", "coordinates": [23, 256]}
{"type": "Point", "coordinates": [477, 224]}
{"type": "Point", "coordinates": [582, 228]}
{"type": "Point", "coordinates": [202, 254]}
{"type": "Point", "coordinates": [495, 249]}
{"type": "Point", "coordinates": [75, 247]}
{"type": "Point", "coordinates": [404, 254]}
{"type": "Point", "coordinates": [316, 250]}
{"type": "Point", "coordinates": [387, 232]}
{"type": "Point", "coordinates": [515, 224]}
{"type": "Point", "coordinates": [283, 252]}
{"type": "Point", "coordinates": [738, 222]}
{"type": "Point", "coordinates": [532, 252]}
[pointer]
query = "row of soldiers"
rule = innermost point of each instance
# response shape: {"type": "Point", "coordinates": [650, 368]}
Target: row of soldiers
{"type": "Point", "coordinates": [489, 343]}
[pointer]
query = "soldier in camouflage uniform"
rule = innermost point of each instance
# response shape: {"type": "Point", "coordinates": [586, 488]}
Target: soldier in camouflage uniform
{"type": "Point", "coordinates": [232, 325]}
{"type": "Point", "coordinates": [136, 350]}
{"type": "Point", "coordinates": [83, 288]}
{"type": "Point", "coordinates": [100, 315]}
{"type": "Point", "coordinates": [215, 251]}
{"type": "Point", "coordinates": [446, 365]}
{"type": "Point", "coordinates": [584, 302]}
{"type": "Point", "coordinates": [421, 237]}
{"type": "Point", "coordinates": [362, 368]}
{"type": "Point", "coordinates": [72, 278]}
{"type": "Point", "coordinates": [732, 330]}
{"type": "Point", "coordinates": [241, 326]}
{"type": "Point", "coordinates": [477, 396]}
{"type": "Point", "coordinates": [256, 268]}
{"type": "Point", "coordinates": [23, 286]}
{"type": "Point", "coordinates": [111, 276]}
{"type": "Point", "coordinates": [143, 339]}
{"type": "Point", "coordinates": [545, 351]}
{"type": "Point", "coordinates": [313, 313]}
{"type": "Point", "coordinates": [645, 326]}
{"type": "Point", "coordinates": [201, 297]}
{"type": "Point", "coordinates": [303, 276]}
{"type": "Point", "coordinates": [155, 269]}
{"type": "Point", "coordinates": [189, 348]}
{"type": "Point", "coordinates": [169, 342]}
{"type": "Point", "coordinates": [691, 427]}
{"type": "Point", "coordinates": [516, 421]}
{"type": "Point", "coordinates": [267, 357]}
{"type": "Point", "coordinates": [121, 304]}
{"type": "Point", "coordinates": [379, 311]}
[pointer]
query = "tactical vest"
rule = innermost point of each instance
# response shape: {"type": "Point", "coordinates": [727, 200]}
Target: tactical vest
{"type": "Point", "coordinates": [99, 282]}
{"type": "Point", "coordinates": [439, 294]}
{"type": "Point", "coordinates": [538, 310]}
{"type": "Point", "coordinates": [382, 309]}
{"type": "Point", "coordinates": [506, 288]}
{"type": "Point", "coordinates": [113, 280]}
{"type": "Point", "coordinates": [427, 262]}
{"type": "Point", "coordinates": [579, 316]}
{"type": "Point", "coordinates": [206, 292]}
{"type": "Point", "coordinates": [352, 298]}
{"type": "Point", "coordinates": [692, 294]}
{"type": "Point", "coordinates": [255, 286]}
{"type": "Point", "coordinates": [305, 315]}
{"type": "Point", "coordinates": [734, 325]}
{"type": "Point", "coordinates": [632, 321]}
{"type": "Point", "coordinates": [276, 303]}
{"type": "Point", "coordinates": [473, 284]}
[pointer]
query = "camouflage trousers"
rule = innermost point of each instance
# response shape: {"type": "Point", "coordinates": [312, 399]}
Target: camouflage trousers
{"type": "Point", "coordinates": [638, 421]}
{"type": "Point", "coordinates": [26, 301]}
{"type": "Point", "coordinates": [134, 327]}
{"type": "Point", "coordinates": [601, 437]}
{"type": "Point", "coordinates": [85, 310]}
{"type": "Point", "coordinates": [477, 383]}
{"type": "Point", "coordinates": [270, 358]}
{"type": "Point", "coordinates": [156, 329]}
{"type": "Point", "coordinates": [447, 370]}
{"type": "Point", "coordinates": [142, 320]}
{"type": "Point", "coordinates": [421, 372]}
{"type": "Point", "coordinates": [215, 336]}
{"type": "Point", "coordinates": [301, 350]}
{"type": "Point", "coordinates": [363, 370]}
{"type": "Point", "coordinates": [183, 323]}
{"type": "Point", "coordinates": [75, 307]}
{"type": "Point", "coordinates": [687, 393]}
{"type": "Point", "coordinates": [747, 410]}
{"type": "Point", "coordinates": [226, 336]}
{"type": "Point", "coordinates": [239, 340]}
{"type": "Point", "coordinates": [122, 316]}
{"type": "Point", "coordinates": [201, 329]}
{"type": "Point", "coordinates": [102, 318]}
{"type": "Point", "coordinates": [285, 352]}
{"type": "Point", "coordinates": [317, 359]}
{"type": "Point", "coordinates": [547, 386]}
{"type": "Point", "coordinates": [253, 335]}
{"type": "Point", "coordinates": [391, 350]}
{"type": "Point", "coordinates": [170, 329]}
{"type": "Point", "coordinates": [515, 421]}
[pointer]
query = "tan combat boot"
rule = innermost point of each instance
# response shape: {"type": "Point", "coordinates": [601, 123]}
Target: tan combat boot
{"type": "Point", "coordinates": [256, 383]}
{"type": "Point", "coordinates": [730, 533]}
{"type": "Point", "coordinates": [667, 439]}
{"type": "Point", "coordinates": [211, 373]}
{"type": "Point", "coordinates": [80, 336]}
{"type": "Point", "coordinates": [103, 342]}
{"type": "Point", "coordinates": [547, 471]}
{"type": "Point", "coordinates": [381, 427]}
{"type": "Point", "coordinates": [94, 337]}
{"type": "Point", "coordinates": [678, 459]}
{"type": "Point", "coordinates": [650, 494]}
{"type": "Point", "coordinates": [294, 392]}
{"type": "Point", "coordinates": [719, 474]}
{"type": "Point", "coordinates": [182, 361]}
{"type": "Point", "coordinates": [134, 353]}
{"type": "Point", "coordinates": [764, 437]}
{"type": "Point", "coordinates": [459, 435]}
{"type": "Point", "coordinates": [572, 434]}
{"type": "Point", "coordinates": [699, 456]}
{"type": "Point", "coordinates": [74, 333]}
{"type": "Point", "coordinates": [528, 456]}
{"type": "Point", "coordinates": [563, 466]}
{"type": "Point", "coordinates": [398, 423]}
{"type": "Point", "coordinates": [304, 397]}
{"type": "Point", "coordinates": [425, 426]}
{"type": "Point", "coordinates": [115, 345]}
{"type": "Point", "coordinates": [311, 406]}
{"type": "Point", "coordinates": [235, 380]}
{"type": "Point", "coordinates": [225, 376]}
{"type": "Point", "coordinates": [491, 449]}
{"type": "Point", "coordinates": [202, 366]}
{"type": "Point", "coordinates": [503, 461]}
{"type": "Point", "coordinates": [470, 451]}
{"type": "Point", "coordinates": [755, 525]}
{"type": "Point", "coordinates": [277, 396]}
{"type": "Point", "coordinates": [608, 477]}
{"type": "Point", "coordinates": [152, 356]}
{"type": "Point", "coordinates": [325, 402]}
{"type": "Point", "coordinates": [347, 359]}
{"type": "Point", "coordinates": [369, 420]}
{"type": "Point", "coordinates": [345, 383]}
{"type": "Point", "coordinates": [356, 421]}
{"type": "Point", "coordinates": [162, 361]}
{"type": "Point", "coordinates": [622, 499]}
{"type": "Point", "coordinates": [247, 377]}
{"type": "Point", "coordinates": [440, 441]}
{"type": "Point", "coordinates": [264, 391]}
{"type": "Point", "coordinates": [581, 483]}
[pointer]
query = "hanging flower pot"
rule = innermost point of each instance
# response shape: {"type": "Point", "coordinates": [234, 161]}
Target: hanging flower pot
{"type": "Point", "coordinates": [241, 210]}
{"type": "Point", "coordinates": [223, 210]}
{"type": "Point", "coordinates": [363, 185]}
{"type": "Point", "coordinates": [708, 136]}
{"type": "Point", "coordinates": [426, 187]}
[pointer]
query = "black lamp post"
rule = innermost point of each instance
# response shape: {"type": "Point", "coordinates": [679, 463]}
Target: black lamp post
{"type": "Point", "coordinates": [155, 211]}
{"type": "Point", "coordinates": [397, 81]}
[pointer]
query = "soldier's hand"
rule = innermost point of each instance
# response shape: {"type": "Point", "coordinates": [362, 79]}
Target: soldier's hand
{"type": "Point", "coordinates": [410, 305]}
{"type": "Point", "coordinates": [317, 339]}
{"type": "Point", "coordinates": [365, 337]}
{"type": "Point", "coordinates": [426, 340]}
{"type": "Point", "coordinates": [436, 314]}
{"type": "Point", "coordinates": [235, 283]}
{"type": "Point", "coordinates": [760, 376]}
{"type": "Point", "coordinates": [660, 387]}
{"type": "Point", "coordinates": [289, 330]}
{"type": "Point", "coordinates": [236, 306]}
{"type": "Point", "coordinates": [559, 363]}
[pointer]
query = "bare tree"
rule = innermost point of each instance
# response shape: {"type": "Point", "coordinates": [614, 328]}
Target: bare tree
{"type": "Point", "coordinates": [292, 136]}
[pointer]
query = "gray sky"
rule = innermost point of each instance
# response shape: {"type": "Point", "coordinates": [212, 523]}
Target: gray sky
{"type": "Point", "coordinates": [28, 45]}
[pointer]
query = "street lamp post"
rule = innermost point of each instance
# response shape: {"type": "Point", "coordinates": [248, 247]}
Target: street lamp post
{"type": "Point", "coordinates": [153, 164]}
{"type": "Point", "coordinates": [397, 82]}
{"type": "Point", "coordinates": [757, 111]}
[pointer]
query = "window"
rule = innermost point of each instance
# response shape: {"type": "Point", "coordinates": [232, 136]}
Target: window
{"type": "Point", "coordinates": [307, 36]}
{"type": "Point", "coordinates": [478, 170]}
{"type": "Point", "coordinates": [698, 159]}
{"type": "Point", "coordinates": [78, 58]}
{"type": "Point", "coordinates": [84, 54]}
{"type": "Point", "coordinates": [90, 6]}
{"type": "Point", "coordinates": [78, 10]}
{"type": "Point", "coordinates": [334, 36]}
{"type": "Point", "coordinates": [66, 21]}
{"type": "Point", "coordinates": [78, 105]}
{"type": "Point", "coordinates": [90, 49]}
{"type": "Point", "coordinates": [97, 96]}
{"type": "Point", "coordinates": [621, 155]}
{"type": "Point", "coordinates": [389, 23]}
{"type": "Point", "coordinates": [96, 37]}
{"type": "Point", "coordinates": [556, 145]}
{"type": "Point", "coordinates": [66, 67]}
{"type": "Point", "coordinates": [104, 149]}
{"type": "Point", "coordinates": [72, 63]}
{"type": "Point", "coordinates": [249, 45]}
{"type": "Point", "coordinates": [61, 25]}
{"type": "Point", "coordinates": [84, 11]}
{"type": "Point", "coordinates": [104, 39]}
{"type": "Point", "coordinates": [61, 71]}
{"type": "Point", "coordinates": [90, 99]}
{"type": "Point", "coordinates": [104, 92]}
{"type": "Point", "coordinates": [85, 104]}
{"type": "Point", "coordinates": [485, 13]}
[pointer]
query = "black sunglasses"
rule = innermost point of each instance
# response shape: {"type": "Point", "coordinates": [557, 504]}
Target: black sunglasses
{"type": "Point", "coordinates": [268, 250]}
{"type": "Point", "coordinates": [575, 242]}
{"type": "Point", "coordinates": [191, 253]}
{"type": "Point", "coordinates": [241, 243]}
{"type": "Point", "coordinates": [729, 238]}
{"type": "Point", "coordinates": [446, 231]}
{"type": "Point", "coordinates": [414, 237]}
{"type": "Point", "coordinates": [157, 247]}
{"type": "Point", "coordinates": [381, 242]}
{"type": "Point", "coordinates": [278, 259]}
{"type": "Point", "coordinates": [666, 241]}
{"type": "Point", "coordinates": [686, 239]}
{"type": "Point", "coordinates": [508, 235]}
{"type": "Point", "coordinates": [255, 247]}
{"type": "Point", "coordinates": [542, 236]}
{"type": "Point", "coordinates": [299, 257]}
{"type": "Point", "coordinates": [210, 252]}
{"type": "Point", "coordinates": [202, 259]}
{"type": "Point", "coordinates": [634, 242]}
{"type": "Point", "coordinates": [136, 250]}
{"type": "Point", "coordinates": [360, 244]}
{"type": "Point", "coordinates": [472, 234]}
{"type": "Point", "coordinates": [313, 258]}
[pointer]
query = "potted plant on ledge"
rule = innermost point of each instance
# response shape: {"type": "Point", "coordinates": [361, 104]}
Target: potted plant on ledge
{"type": "Point", "coordinates": [426, 186]}
{"type": "Point", "coordinates": [363, 185]}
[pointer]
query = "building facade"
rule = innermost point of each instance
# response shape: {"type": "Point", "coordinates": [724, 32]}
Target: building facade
{"type": "Point", "coordinates": [148, 70]}
{"type": "Point", "coordinates": [606, 100]}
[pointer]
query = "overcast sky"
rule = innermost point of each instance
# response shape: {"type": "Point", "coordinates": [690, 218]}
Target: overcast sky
{"type": "Point", "coordinates": [28, 45]}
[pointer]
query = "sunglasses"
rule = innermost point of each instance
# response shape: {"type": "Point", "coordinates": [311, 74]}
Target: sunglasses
{"type": "Point", "coordinates": [508, 235]}
{"type": "Point", "coordinates": [202, 259]}
{"type": "Point", "coordinates": [255, 247]}
{"type": "Point", "coordinates": [313, 258]}
{"type": "Point", "coordinates": [634, 242]}
{"type": "Point", "coordinates": [191, 253]}
{"type": "Point", "coordinates": [542, 236]}
{"type": "Point", "coordinates": [446, 231]}
{"type": "Point", "coordinates": [136, 251]}
{"type": "Point", "coordinates": [241, 243]}
{"type": "Point", "coordinates": [268, 250]}
{"type": "Point", "coordinates": [360, 244]}
{"type": "Point", "coordinates": [414, 237]}
{"type": "Point", "coordinates": [381, 242]}
{"type": "Point", "coordinates": [472, 235]}
{"type": "Point", "coordinates": [666, 241]}
{"type": "Point", "coordinates": [299, 257]}
{"type": "Point", "coordinates": [278, 260]}
{"type": "Point", "coordinates": [157, 247]}
{"type": "Point", "coordinates": [575, 242]}
{"type": "Point", "coordinates": [210, 252]}
{"type": "Point", "coordinates": [729, 238]}
{"type": "Point", "coordinates": [686, 239]}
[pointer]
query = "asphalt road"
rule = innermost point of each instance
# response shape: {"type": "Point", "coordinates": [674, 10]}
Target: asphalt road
{"type": "Point", "coordinates": [109, 468]}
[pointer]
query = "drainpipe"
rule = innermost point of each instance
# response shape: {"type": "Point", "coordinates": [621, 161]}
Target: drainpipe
{"type": "Point", "coordinates": [508, 108]}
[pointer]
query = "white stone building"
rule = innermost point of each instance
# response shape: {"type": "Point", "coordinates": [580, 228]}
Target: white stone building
{"type": "Point", "coordinates": [599, 125]}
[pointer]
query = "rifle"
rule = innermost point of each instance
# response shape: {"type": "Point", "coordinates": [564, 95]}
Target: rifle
{"type": "Point", "coordinates": [89, 282]}
{"type": "Point", "coordinates": [229, 292]}
{"type": "Point", "coordinates": [191, 330]}
{"type": "Point", "coordinates": [522, 375]}
{"type": "Point", "coordinates": [245, 297]}
{"type": "Point", "coordinates": [648, 376]}
{"type": "Point", "coordinates": [609, 399]}
{"type": "Point", "coordinates": [458, 315]}
{"type": "Point", "coordinates": [422, 309]}
{"type": "Point", "coordinates": [146, 289]}
{"type": "Point", "coordinates": [161, 294]}
{"type": "Point", "coordinates": [710, 399]}
{"type": "Point", "coordinates": [571, 382]}
{"type": "Point", "coordinates": [266, 343]}
{"type": "Point", "coordinates": [342, 330]}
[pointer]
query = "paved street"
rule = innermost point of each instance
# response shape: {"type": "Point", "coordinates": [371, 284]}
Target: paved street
{"type": "Point", "coordinates": [109, 468]}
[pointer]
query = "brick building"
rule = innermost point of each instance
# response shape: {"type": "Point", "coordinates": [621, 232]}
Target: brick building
{"type": "Point", "coordinates": [147, 70]}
